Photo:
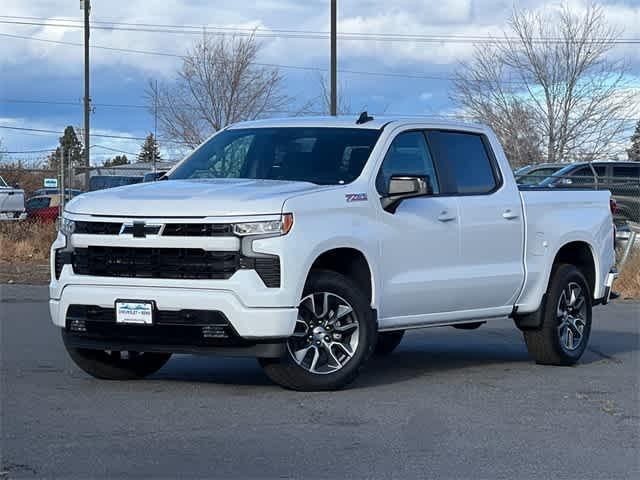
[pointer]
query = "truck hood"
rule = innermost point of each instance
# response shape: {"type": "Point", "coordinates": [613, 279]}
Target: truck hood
{"type": "Point", "coordinates": [191, 198]}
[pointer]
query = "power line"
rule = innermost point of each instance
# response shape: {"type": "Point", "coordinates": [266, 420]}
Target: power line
{"type": "Point", "coordinates": [416, 76]}
{"type": "Point", "coordinates": [101, 135]}
{"type": "Point", "coordinates": [287, 33]}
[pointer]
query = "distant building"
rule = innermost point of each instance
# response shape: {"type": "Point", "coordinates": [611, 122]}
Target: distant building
{"type": "Point", "coordinates": [132, 169]}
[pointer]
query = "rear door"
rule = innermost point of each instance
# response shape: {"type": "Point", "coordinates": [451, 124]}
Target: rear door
{"type": "Point", "coordinates": [491, 222]}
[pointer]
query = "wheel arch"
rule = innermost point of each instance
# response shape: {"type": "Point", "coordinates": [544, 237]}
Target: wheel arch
{"type": "Point", "coordinates": [579, 253]}
{"type": "Point", "coordinates": [350, 262]}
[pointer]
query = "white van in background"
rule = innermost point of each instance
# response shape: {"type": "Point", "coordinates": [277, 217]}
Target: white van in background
{"type": "Point", "coordinates": [11, 202]}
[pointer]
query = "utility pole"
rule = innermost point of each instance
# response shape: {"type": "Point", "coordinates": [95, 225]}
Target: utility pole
{"type": "Point", "coordinates": [61, 187]}
{"type": "Point", "coordinates": [86, 6]}
{"type": "Point", "coordinates": [334, 58]}
{"type": "Point", "coordinates": [155, 126]}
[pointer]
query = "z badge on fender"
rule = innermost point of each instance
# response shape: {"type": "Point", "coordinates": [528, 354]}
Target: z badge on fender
{"type": "Point", "coordinates": [356, 197]}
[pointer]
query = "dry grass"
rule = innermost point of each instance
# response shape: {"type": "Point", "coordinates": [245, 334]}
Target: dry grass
{"type": "Point", "coordinates": [26, 242]}
{"type": "Point", "coordinates": [628, 283]}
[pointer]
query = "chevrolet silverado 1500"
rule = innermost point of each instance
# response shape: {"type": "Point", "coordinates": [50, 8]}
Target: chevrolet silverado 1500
{"type": "Point", "coordinates": [314, 243]}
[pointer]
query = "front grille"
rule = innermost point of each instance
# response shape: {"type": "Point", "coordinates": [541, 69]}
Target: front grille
{"type": "Point", "coordinates": [188, 327]}
{"type": "Point", "coordinates": [170, 229]}
{"type": "Point", "coordinates": [98, 228]}
{"type": "Point", "coordinates": [175, 263]}
{"type": "Point", "coordinates": [197, 230]}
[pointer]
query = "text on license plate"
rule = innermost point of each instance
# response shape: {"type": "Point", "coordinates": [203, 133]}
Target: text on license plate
{"type": "Point", "coordinates": [134, 312]}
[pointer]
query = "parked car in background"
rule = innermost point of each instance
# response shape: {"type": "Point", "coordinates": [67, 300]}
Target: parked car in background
{"type": "Point", "coordinates": [533, 174]}
{"type": "Point", "coordinates": [153, 176]}
{"type": "Point", "coordinates": [71, 192]}
{"type": "Point", "coordinates": [44, 208]}
{"type": "Point", "coordinates": [622, 179]}
{"type": "Point", "coordinates": [11, 202]}
{"type": "Point", "coordinates": [102, 182]}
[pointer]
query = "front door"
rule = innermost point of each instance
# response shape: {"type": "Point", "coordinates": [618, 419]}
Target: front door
{"type": "Point", "coordinates": [420, 251]}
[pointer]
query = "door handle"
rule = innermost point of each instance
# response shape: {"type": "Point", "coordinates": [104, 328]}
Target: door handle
{"type": "Point", "coordinates": [445, 216]}
{"type": "Point", "coordinates": [508, 214]}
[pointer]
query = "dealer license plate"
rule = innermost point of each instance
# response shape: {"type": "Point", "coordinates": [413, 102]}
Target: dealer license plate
{"type": "Point", "coordinates": [134, 311]}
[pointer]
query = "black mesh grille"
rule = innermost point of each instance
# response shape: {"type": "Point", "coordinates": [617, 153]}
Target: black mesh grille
{"type": "Point", "coordinates": [98, 228]}
{"type": "Point", "coordinates": [197, 230]}
{"type": "Point", "coordinates": [155, 262]}
{"type": "Point", "coordinates": [60, 259]}
{"type": "Point", "coordinates": [269, 271]}
{"type": "Point", "coordinates": [189, 327]}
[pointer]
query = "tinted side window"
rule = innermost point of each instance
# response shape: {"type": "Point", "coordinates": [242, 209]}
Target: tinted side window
{"type": "Point", "coordinates": [407, 155]}
{"type": "Point", "coordinates": [627, 171]}
{"type": "Point", "coordinates": [466, 160]}
{"type": "Point", "coordinates": [582, 175]}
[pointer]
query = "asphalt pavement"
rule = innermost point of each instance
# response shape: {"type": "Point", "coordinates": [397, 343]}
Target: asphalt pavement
{"type": "Point", "coordinates": [448, 404]}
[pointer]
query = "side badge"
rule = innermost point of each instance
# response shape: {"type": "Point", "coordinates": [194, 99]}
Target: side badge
{"type": "Point", "coordinates": [356, 197]}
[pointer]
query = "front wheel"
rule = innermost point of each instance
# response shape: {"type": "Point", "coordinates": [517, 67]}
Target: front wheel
{"type": "Point", "coordinates": [334, 336]}
{"type": "Point", "coordinates": [116, 365]}
{"type": "Point", "coordinates": [566, 323]}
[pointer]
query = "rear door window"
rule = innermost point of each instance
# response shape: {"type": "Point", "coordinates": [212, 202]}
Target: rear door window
{"type": "Point", "coordinates": [626, 173]}
{"type": "Point", "coordinates": [464, 157]}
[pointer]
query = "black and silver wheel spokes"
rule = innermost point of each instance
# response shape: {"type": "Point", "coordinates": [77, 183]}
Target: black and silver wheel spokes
{"type": "Point", "coordinates": [326, 333]}
{"type": "Point", "coordinates": [571, 313]}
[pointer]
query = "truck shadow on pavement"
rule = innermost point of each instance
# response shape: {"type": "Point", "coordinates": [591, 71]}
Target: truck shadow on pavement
{"type": "Point", "coordinates": [419, 355]}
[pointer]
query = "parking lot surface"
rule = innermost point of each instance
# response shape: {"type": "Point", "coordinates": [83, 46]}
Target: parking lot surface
{"type": "Point", "coordinates": [447, 404]}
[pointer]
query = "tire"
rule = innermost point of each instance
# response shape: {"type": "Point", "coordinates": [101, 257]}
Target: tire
{"type": "Point", "coordinates": [113, 366]}
{"type": "Point", "coordinates": [469, 326]}
{"type": "Point", "coordinates": [388, 342]}
{"type": "Point", "coordinates": [567, 313]}
{"type": "Point", "coordinates": [320, 323]}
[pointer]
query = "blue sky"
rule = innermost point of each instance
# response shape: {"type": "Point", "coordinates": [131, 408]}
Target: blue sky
{"type": "Point", "coordinates": [35, 71]}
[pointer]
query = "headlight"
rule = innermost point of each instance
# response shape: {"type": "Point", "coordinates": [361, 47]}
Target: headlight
{"type": "Point", "coordinates": [267, 227]}
{"type": "Point", "coordinates": [67, 227]}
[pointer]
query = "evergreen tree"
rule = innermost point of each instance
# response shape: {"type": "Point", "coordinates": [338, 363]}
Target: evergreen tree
{"type": "Point", "coordinates": [117, 160]}
{"type": "Point", "coordinates": [150, 150]}
{"type": "Point", "coordinates": [73, 148]}
{"type": "Point", "coordinates": [634, 151]}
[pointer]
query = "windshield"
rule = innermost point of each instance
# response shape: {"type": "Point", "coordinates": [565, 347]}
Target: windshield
{"type": "Point", "coordinates": [322, 155]}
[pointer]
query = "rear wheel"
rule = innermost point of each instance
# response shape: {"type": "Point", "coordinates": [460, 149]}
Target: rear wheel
{"type": "Point", "coordinates": [334, 336]}
{"type": "Point", "coordinates": [388, 342]}
{"type": "Point", "coordinates": [116, 365]}
{"type": "Point", "coordinates": [566, 322]}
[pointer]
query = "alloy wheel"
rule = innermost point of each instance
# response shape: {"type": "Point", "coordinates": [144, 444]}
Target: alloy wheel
{"type": "Point", "coordinates": [571, 313]}
{"type": "Point", "coordinates": [326, 335]}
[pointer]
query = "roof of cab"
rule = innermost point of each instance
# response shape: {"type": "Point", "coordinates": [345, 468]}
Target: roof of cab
{"type": "Point", "coordinates": [350, 122]}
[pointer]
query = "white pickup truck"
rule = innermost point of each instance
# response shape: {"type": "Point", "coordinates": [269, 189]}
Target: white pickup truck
{"type": "Point", "coordinates": [313, 243]}
{"type": "Point", "coordinates": [11, 202]}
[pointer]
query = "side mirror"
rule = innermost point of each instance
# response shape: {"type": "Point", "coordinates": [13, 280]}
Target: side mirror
{"type": "Point", "coordinates": [403, 187]}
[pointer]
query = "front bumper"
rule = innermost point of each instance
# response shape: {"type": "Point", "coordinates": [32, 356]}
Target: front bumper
{"type": "Point", "coordinates": [249, 325]}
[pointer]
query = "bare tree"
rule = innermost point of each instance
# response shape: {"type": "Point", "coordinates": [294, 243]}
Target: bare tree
{"type": "Point", "coordinates": [324, 100]}
{"type": "Point", "coordinates": [556, 68]}
{"type": "Point", "coordinates": [219, 83]}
